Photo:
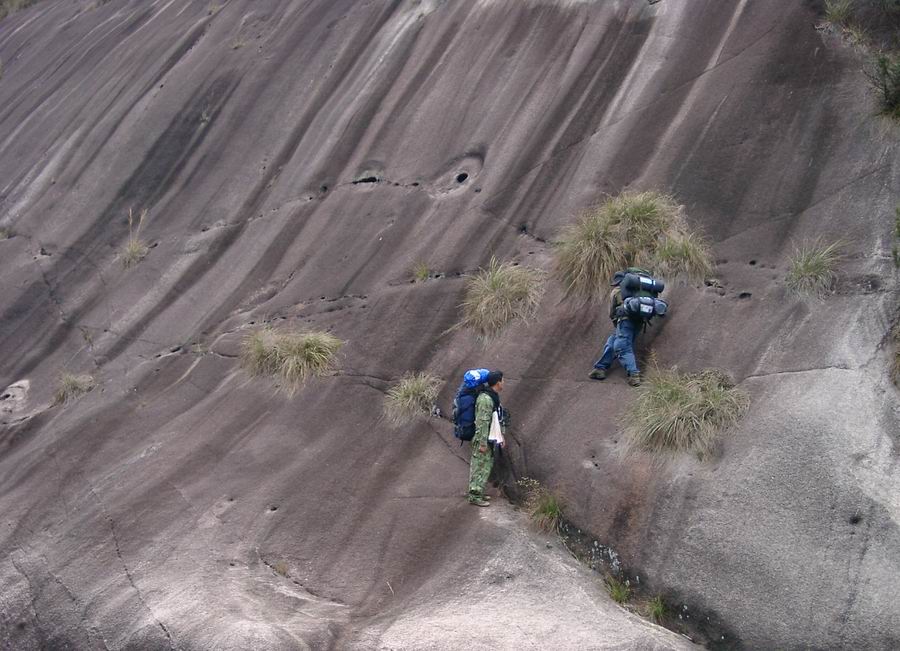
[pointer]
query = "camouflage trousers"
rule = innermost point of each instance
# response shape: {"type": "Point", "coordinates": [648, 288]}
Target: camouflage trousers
{"type": "Point", "coordinates": [479, 471]}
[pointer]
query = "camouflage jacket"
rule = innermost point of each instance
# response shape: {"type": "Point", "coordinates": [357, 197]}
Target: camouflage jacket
{"type": "Point", "coordinates": [484, 408]}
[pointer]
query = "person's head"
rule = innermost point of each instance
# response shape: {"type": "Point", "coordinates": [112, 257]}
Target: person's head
{"type": "Point", "coordinates": [495, 380]}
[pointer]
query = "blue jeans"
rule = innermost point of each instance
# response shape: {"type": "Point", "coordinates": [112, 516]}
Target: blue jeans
{"type": "Point", "coordinates": [620, 345]}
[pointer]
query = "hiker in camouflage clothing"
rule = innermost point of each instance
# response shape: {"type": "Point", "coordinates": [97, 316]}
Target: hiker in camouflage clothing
{"type": "Point", "coordinates": [482, 456]}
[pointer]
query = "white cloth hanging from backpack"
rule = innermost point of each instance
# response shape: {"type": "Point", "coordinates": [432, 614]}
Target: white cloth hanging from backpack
{"type": "Point", "coordinates": [496, 433]}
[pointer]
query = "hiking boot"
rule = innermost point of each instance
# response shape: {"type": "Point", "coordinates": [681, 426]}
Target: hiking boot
{"type": "Point", "coordinates": [479, 501]}
{"type": "Point", "coordinates": [598, 374]}
{"type": "Point", "coordinates": [634, 380]}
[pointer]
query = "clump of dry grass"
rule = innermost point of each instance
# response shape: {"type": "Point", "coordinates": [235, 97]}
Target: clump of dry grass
{"type": "Point", "coordinates": [884, 73]}
{"type": "Point", "coordinates": [11, 6]}
{"type": "Point", "coordinates": [543, 506]}
{"type": "Point", "coordinates": [499, 294]}
{"type": "Point", "coordinates": [683, 412]}
{"type": "Point", "coordinates": [414, 395]}
{"type": "Point", "coordinates": [813, 266]}
{"type": "Point", "coordinates": [72, 386]}
{"type": "Point", "coordinates": [294, 357]}
{"type": "Point", "coordinates": [135, 248]}
{"type": "Point", "coordinates": [633, 229]}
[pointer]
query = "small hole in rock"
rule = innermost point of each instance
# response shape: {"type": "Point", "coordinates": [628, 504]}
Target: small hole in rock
{"type": "Point", "coordinates": [416, 184]}
{"type": "Point", "coordinates": [752, 262]}
{"type": "Point", "coordinates": [477, 190]}
{"type": "Point", "coordinates": [204, 229]}
{"type": "Point", "coordinates": [523, 228]}
{"type": "Point", "coordinates": [272, 509]}
{"type": "Point", "coordinates": [324, 188]}
{"type": "Point", "coordinates": [855, 519]}
{"type": "Point", "coordinates": [154, 245]}
{"type": "Point", "coordinates": [745, 295]}
{"type": "Point", "coordinates": [461, 177]}
{"type": "Point", "coordinates": [230, 499]}
{"type": "Point", "coordinates": [368, 179]}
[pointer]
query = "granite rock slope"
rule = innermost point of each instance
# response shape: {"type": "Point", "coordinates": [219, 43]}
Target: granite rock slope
{"type": "Point", "coordinates": [296, 160]}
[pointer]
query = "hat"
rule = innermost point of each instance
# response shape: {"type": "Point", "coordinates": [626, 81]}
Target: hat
{"type": "Point", "coordinates": [617, 278]}
{"type": "Point", "coordinates": [494, 377]}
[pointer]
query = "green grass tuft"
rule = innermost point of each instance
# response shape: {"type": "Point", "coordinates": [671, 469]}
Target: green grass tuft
{"type": "Point", "coordinates": [543, 507]}
{"type": "Point", "coordinates": [5, 234]}
{"type": "Point", "coordinates": [414, 395]}
{"type": "Point", "coordinates": [619, 591]}
{"type": "Point", "coordinates": [813, 265]}
{"type": "Point", "coordinates": [657, 610]}
{"type": "Point", "coordinates": [135, 248]}
{"type": "Point", "coordinates": [838, 12]}
{"type": "Point", "coordinates": [294, 357]}
{"type": "Point", "coordinates": [72, 386]}
{"type": "Point", "coordinates": [499, 294]}
{"type": "Point", "coordinates": [676, 412]}
{"type": "Point", "coordinates": [884, 75]}
{"type": "Point", "coordinates": [421, 272]}
{"type": "Point", "coordinates": [645, 229]}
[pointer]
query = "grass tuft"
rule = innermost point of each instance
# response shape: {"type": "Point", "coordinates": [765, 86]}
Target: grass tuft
{"type": "Point", "coordinates": [414, 395]}
{"type": "Point", "coordinates": [884, 75]}
{"type": "Point", "coordinates": [499, 294]}
{"type": "Point", "coordinates": [543, 506]}
{"type": "Point", "coordinates": [72, 386]}
{"type": "Point", "coordinates": [683, 412]}
{"type": "Point", "coordinates": [421, 272]}
{"type": "Point", "coordinates": [11, 6]}
{"type": "Point", "coordinates": [657, 610]}
{"type": "Point", "coordinates": [294, 357]}
{"type": "Point", "coordinates": [5, 234]}
{"type": "Point", "coordinates": [813, 264]}
{"type": "Point", "coordinates": [135, 248]}
{"type": "Point", "coordinates": [838, 12]}
{"type": "Point", "coordinates": [281, 568]}
{"type": "Point", "coordinates": [619, 591]}
{"type": "Point", "coordinates": [644, 229]}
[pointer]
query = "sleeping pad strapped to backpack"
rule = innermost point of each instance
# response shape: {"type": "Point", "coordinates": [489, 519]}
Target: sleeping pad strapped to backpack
{"type": "Point", "coordinates": [464, 403]}
{"type": "Point", "coordinates": [639, 295]}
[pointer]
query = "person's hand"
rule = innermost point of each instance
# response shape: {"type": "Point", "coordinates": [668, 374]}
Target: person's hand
{"type": "Point", "coordinates": [483, 449]}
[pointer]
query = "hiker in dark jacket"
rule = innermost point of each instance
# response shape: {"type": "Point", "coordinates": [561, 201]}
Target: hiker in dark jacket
{"type": "Point", "coordinates": [620, 344]}
{"type": "Point", "coordinates": [482, 456]}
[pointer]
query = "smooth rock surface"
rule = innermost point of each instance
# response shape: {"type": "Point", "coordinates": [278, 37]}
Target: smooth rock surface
{"type": "Point", "coordinates": [296, 159]}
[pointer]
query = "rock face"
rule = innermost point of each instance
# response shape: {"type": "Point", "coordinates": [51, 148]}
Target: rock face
{"type": "Point", "coordinates": [295, 160]}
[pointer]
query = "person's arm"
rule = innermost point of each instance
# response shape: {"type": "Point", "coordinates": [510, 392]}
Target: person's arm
{"type": "Point", "coordinates": [615, 300]}
{"type": "Point", "coordinates": [484, 407]}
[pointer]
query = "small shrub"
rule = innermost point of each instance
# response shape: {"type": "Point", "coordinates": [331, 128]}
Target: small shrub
{"type": "Point", "coordinates": [657, 609]}
{"type": "Point", "coordinates": [544, 508]}
{"type": "Point", "coordinates": [838, 12]}
{"type": "Point", "coordinates": [677, 412]}
{"type": "Point", "coordinates": [619, 591]}
{"type": "Point", "coordinates": [11, 6]}
{"type": "Point", "coordinates": [645, 229]}
{"type": "Point", "coordinates": [813, 264]}
{"type": "Point", "coordinates": [498, 295]}
{"type": "Point", "coordinates": [281, 568]}
{"type": "Point", "coordinates": [414, 395]}
{"type": "Point", "coordinates": [135, 249]}
{"type": "Point", "coordinates": [72, 386]}
{"type": "Point", "coordinates": [294, 357]}
{"type": "Point", "coordinates": [895, 366]}
{"type": "Point", "coordinates": [421, 272]}
{"type": "Point", "coordinates": [5, 234]}
{"type": "Point", "coordinates": [897, 222]}
{"type": "Point", "coordinates": [885, 77]}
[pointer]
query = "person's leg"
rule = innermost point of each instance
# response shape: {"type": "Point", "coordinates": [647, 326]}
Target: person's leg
{"type": "Point", "coordinates": [606, 357]}
{"type": "Point", "coordinates": [479, 470]}
{"type": "Point", "coordinates": [623, 347]}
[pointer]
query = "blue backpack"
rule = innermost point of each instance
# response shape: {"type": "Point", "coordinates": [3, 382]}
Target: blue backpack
{"type": "Point", "coordinates": [464, 403]}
